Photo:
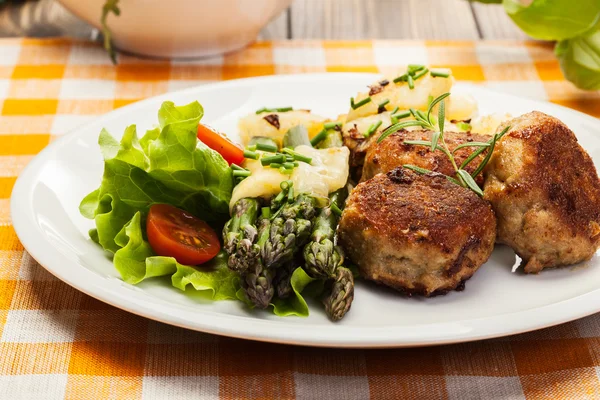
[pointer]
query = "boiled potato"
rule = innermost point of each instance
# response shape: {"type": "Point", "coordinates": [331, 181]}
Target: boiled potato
{"type": "Point", "coordinates": [259, 125]}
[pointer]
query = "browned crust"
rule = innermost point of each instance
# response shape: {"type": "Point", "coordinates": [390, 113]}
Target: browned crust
{"type": "Point", "coordinates": [556, 171]}
{"type": "Point", "coordinates": [407, 211]}
{"type": "Point", "coordinates": [402, 199]}
{"type": "Point", "coordinates": [392, 152]}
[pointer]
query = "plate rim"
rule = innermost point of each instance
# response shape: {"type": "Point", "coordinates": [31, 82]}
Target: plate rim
{"type": "Point", "coordinates": [151, 307]}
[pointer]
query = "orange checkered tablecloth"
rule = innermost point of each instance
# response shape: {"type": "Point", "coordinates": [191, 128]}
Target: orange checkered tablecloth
{"type": "Point", "coordinates": [56, 342]}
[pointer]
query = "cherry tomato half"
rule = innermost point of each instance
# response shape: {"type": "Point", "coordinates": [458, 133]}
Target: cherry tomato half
{"type": "Point", "coordinates": [232, 153]}
{"type": "Point", "coordinates": [175, 233]}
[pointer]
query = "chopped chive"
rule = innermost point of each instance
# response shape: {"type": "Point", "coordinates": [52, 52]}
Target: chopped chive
{"type": "Point", "coordinates": [415, 67]}
{"type": "Point", "coordinates": [252, 147]}
{"type": "Point", "coordinates": [237, 167]}
{"type": "Point", "coordinates": [360, 103]}
{"type": "Point", "coordinates": [332, 125]}
{"type": "Point", "coordinates": [284, 170]}
{"type": "Point", "coordinates": [277, 200]}
{"type": "Point", "coordinates": [275, 165]}
{"type": "Point", "coordinates": [335, 209]}
{"type": "Point", "coordinates": [411, 82]}
{"type": "Point", "coordinates": [401, 115]}
{"type": "Point", "coordinates": [289, 158]}
{"type": "Point", "coordinates": [265, 212]}
{"type": "Point", "coordinates": [271, 148]}
{"type": "Point", "coordinates": [421, 74]}
{"type": "Point", "coordinates": [296, 163]}
{"type": "Point", "coordinates": [250, 154]}
{"type": "Point", "coordinates": [401, 78]}
{"type": "Point", "coordinates": [285, 185]}
{"type": "Point", "coordinates": [429, 100]}
{"type": "Point", "coordinates": [297, 156]}
{"type": "Point", "coordinates": [291, 194]}
{"type": "Point", "coordinates": [384, 103]}
{"type": "Point", "coordinates": [439, 74]}
{"type": "Point", "coordinates": [394, 111]}
{"type": "Point", "coordinates": [372, 128]}
{"type": "Point", "coordinates": [272, 159]}
{"type": "Point", "coordinates": [238, 173]}
{"type": "Point", "coordinates": [319, 137]}
{"type": "Point", "coordinates": [421, 114]}
{"type": "Point", "coordinates": [280, 109]}
{"type": "Point", "coordinates": [394, 120]}
{"type": "Point", "coordinates": [288, 165]}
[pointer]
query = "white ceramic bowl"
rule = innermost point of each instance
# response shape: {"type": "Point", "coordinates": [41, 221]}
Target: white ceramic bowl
{"type": "Point", "coordinates": [182, 28]}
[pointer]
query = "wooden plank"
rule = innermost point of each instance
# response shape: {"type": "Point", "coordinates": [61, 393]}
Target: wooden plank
{"type": "Point", "coordinates": [277, 29]}
{"type": "Point", "coordinates": [493, 22]}
{"type": "Point", "coordinates": [382, 19]}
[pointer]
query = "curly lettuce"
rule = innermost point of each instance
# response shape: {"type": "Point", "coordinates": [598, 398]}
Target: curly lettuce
{"type": "Point", "coordinates": [168, 165]}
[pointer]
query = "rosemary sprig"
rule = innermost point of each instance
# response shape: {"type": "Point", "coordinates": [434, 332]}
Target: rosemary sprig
{"type": "Point", "coordinates": [438, 142]}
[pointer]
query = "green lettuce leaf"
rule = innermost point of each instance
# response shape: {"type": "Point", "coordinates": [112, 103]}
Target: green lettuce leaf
{"type": "Point", "coordinates": [580, 59]}
{"type": "Point", "coordinates": [136, 262]}
{"type": "Point", "coordinates": [553, 19]}
{"type": "Point", "coordinates": [168, 165]}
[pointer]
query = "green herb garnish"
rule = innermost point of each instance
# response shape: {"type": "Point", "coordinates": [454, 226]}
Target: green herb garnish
{"type": "Point", "coordinates": [319, 137]}
{"type": "Point", "coordinates": [238, 173]}
{"type": "Point", "coordinates": [437, 142]}
{"type": "Point", "coordinates": [439, 74]}
{"type": "Point", "coordinates": [297, 156]}
{"type": "Point", "coordinates": [271, 148]}
{"type": "Point", "coordinates": [278, 158]}
{"type": "Point", "coordinates": [332, 125]}
{"type": "Point", "coordinates": [250, 154]}
{"type": "Point", "coordinates": [360, 103]}
{"type": "Point", "coordinates": [280, 109]}
{"type": "Point", "coordinates": [374, 126]}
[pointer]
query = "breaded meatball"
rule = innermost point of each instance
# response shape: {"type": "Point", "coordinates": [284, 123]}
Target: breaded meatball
{"type": "Point", "coordinates": [392, 153]}
{"type": "Point", "coordinates": [545, 191]}
{"type": "Point", "coordinates": [417, 233]}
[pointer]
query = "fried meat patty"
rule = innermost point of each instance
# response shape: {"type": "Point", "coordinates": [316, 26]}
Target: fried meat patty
{"type": "Point", "coordinates": [545, 192]}
{"type": "Point", "coordinates": [392, 153]}
{"type": "Point", "coordinates": [417, 233]}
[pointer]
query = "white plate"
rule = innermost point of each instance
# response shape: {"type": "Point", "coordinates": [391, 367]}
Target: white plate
{"type": "Point", "coordinates": [496, 301]}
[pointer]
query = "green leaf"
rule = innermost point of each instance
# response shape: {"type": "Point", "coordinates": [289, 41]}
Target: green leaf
{"type": "Point", "coordinates": [553, 19]}
{"type": "Point", "coordinates": [417, 169]}
{"type": "Point", "coordinates": [396, 127]}
{"type": "Point", "coordinates": [295, 304]}
{"type": "Point", "coordinates": [418, 142]}
{"type": "Point", "coordinates": [435, 136]}
{"type": "Point", "coordinates": [469, 181]}
{"type": "Point", "coordinates": [168, 165]}
{"type": "Point", "coordinates": [136, 262]}
{"type": "Point", "coordinates": [434, 103]}
{"type": "Point", "coordinates": [470, 144]}
{"type": "Point", "coordinates": [442, 116]}
{"type": "Point", "coordinates": [580, 59]}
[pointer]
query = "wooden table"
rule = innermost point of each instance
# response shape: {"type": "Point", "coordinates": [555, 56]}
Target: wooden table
{"type": "Point", "coordinates": [312, 19]}
{"type": "Point", "coordinates": [392, 19]}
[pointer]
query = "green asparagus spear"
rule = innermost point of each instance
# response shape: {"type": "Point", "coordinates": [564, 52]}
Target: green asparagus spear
{"type": "Point", "coordinates": [296, 136]}
{"type": "Point", "coordinates": [240, 234]}
{"type": "Point", "coordinates": [257, 281]}
{"type": "Point", "coordinates": [283, 276]}
{"type": "Point", "coordinates": [321, 255]}
{"type": "Point", "coordinates": [340, 294]}
{"type": "Point", "coordinates": [290, 230]}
